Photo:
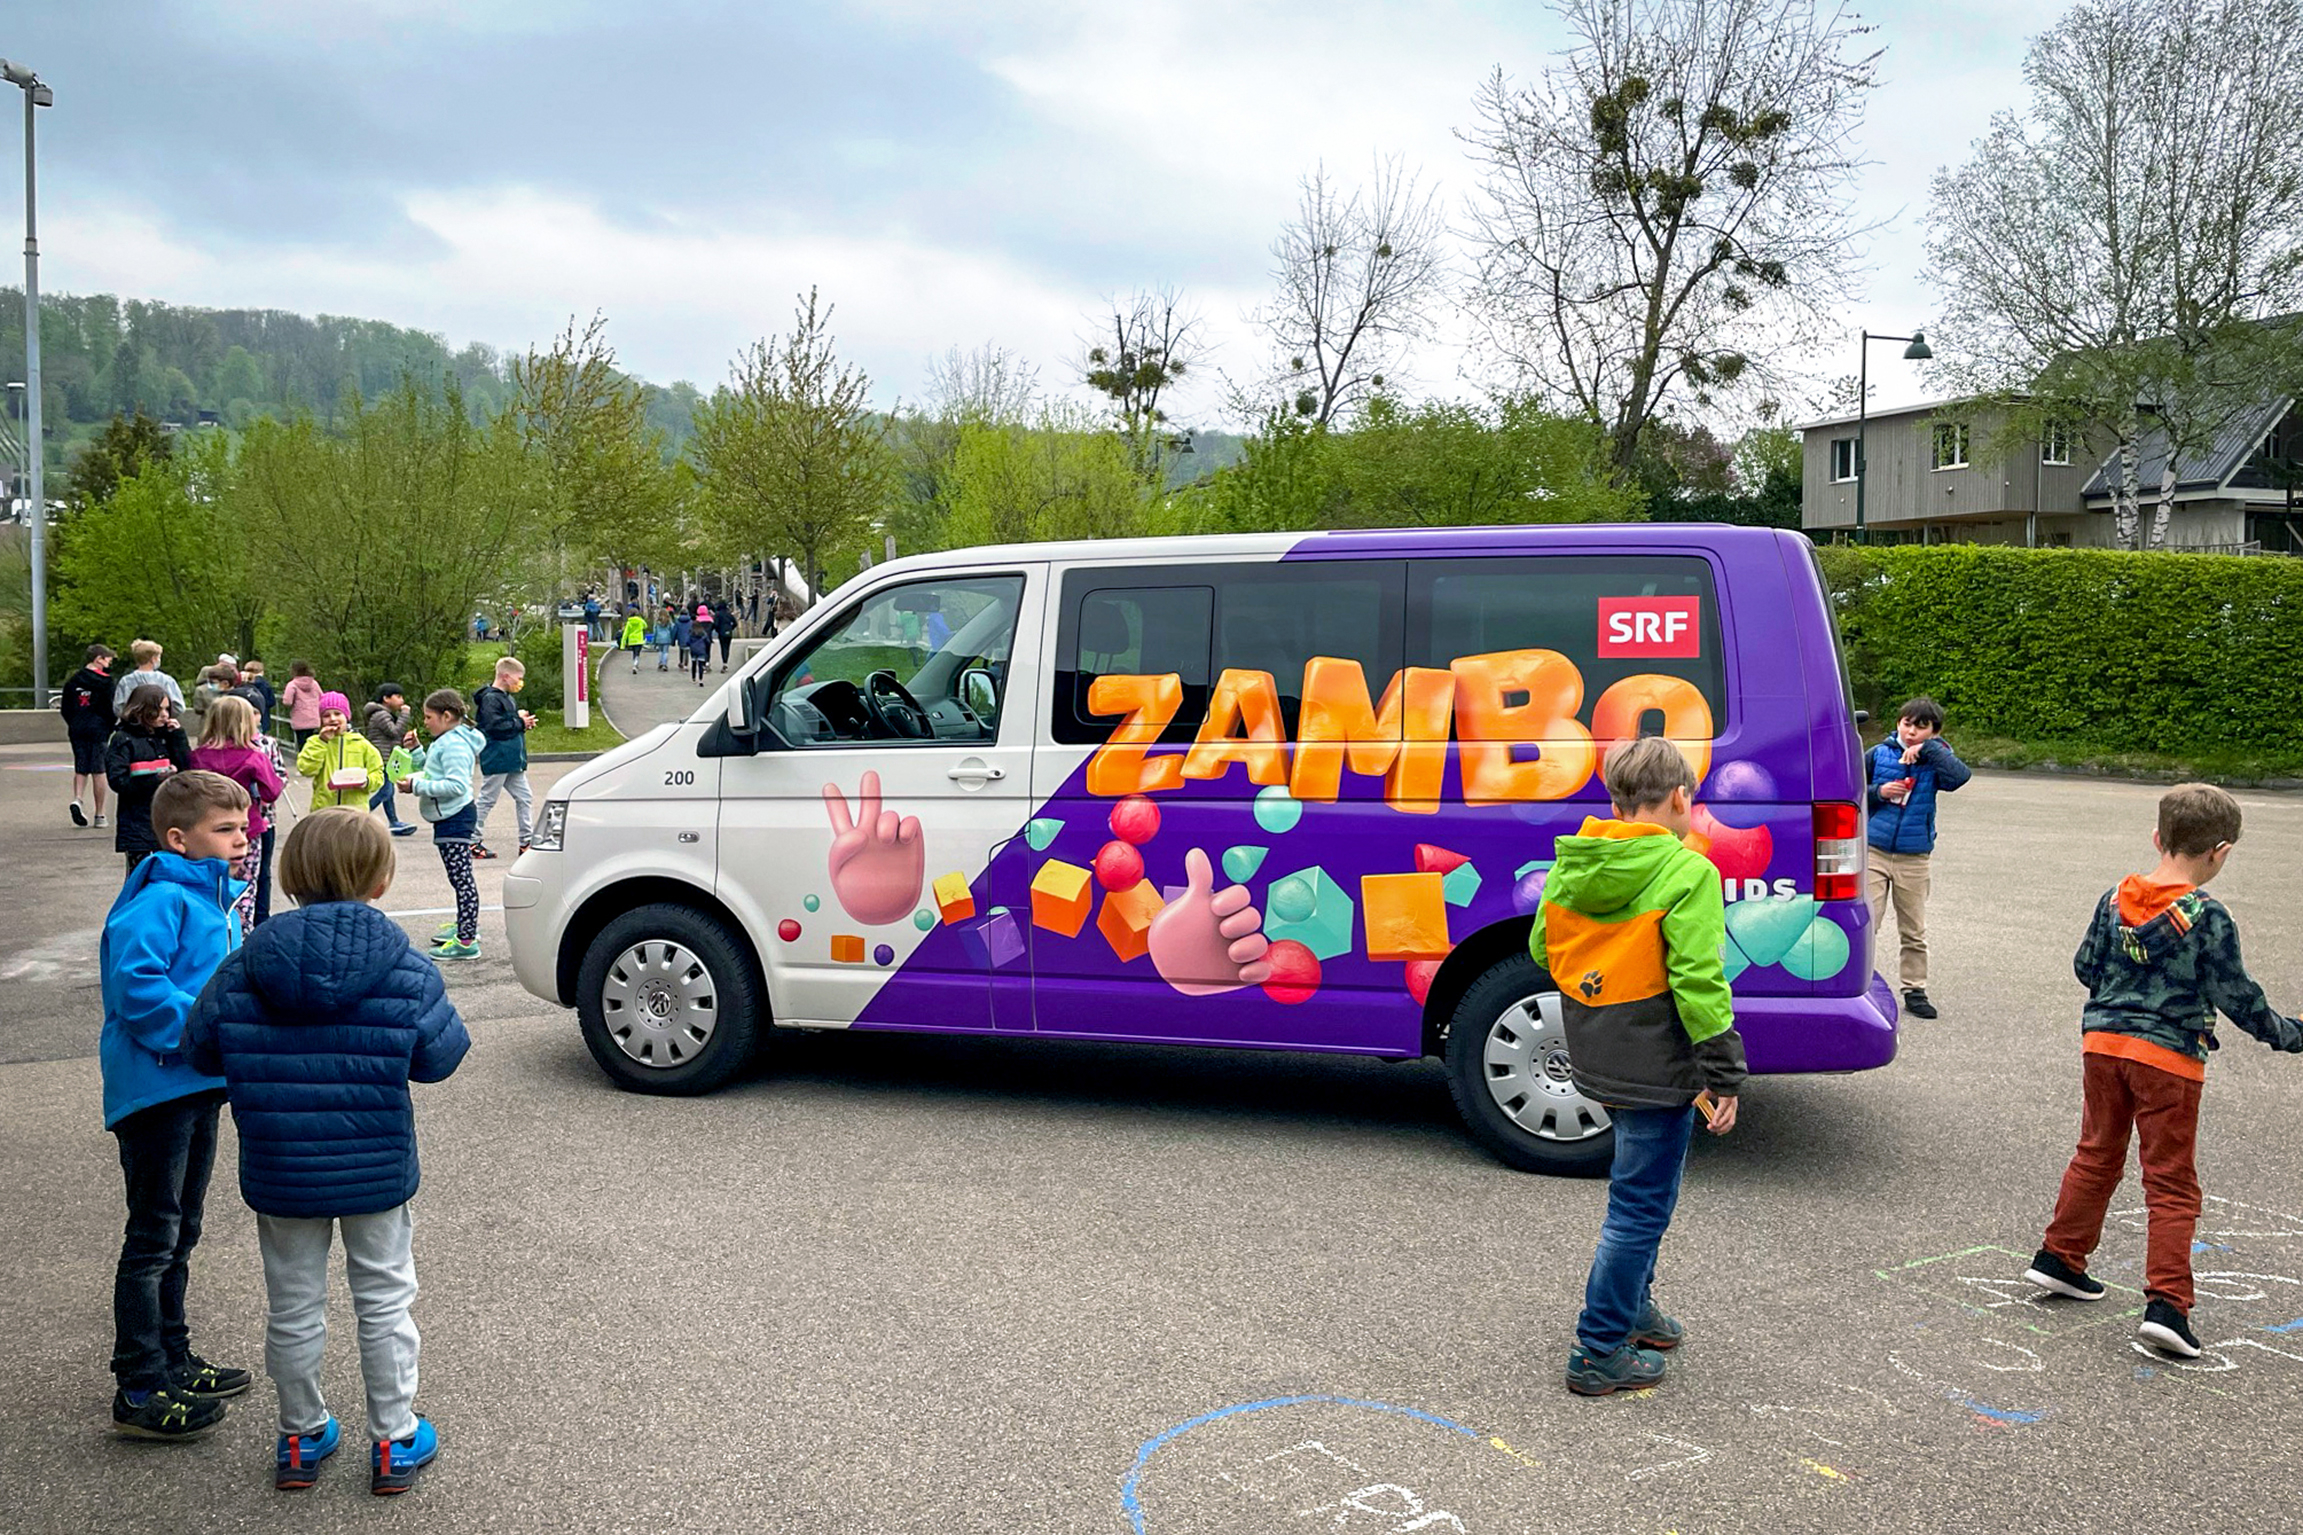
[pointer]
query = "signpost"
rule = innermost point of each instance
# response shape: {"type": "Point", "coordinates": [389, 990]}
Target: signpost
{"type": "Point", "coordinates": [575, 667]}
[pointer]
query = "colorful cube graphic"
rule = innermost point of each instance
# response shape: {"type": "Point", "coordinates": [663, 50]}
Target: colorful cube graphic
{"type": "Point", "coordinates": [848, 948]}
{"type": "Point", "coordinates": [1126, 919]}
{"type": "Point", "coordinates": [1312, 909]}
{"type": "Point", "coordinates": [994, 941]}
{"type": "Point", "coordinates": [953, 898]}
{"type": "Point", "coordinates": [1461, 884]}
{"type": "Point", "coordinates": [1406, 915]}
{"type": "Point", "coordinates": [1061, 895]}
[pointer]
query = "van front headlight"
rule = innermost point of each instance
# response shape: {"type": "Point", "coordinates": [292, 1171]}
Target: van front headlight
{"type": "Point", "coordinates": [551, 824]}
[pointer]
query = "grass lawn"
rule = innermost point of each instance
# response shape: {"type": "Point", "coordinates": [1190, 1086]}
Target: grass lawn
{"type": "Point", "coordinates": [2231, 766]}
{"type": "Point", "coordinates": [550, 736]}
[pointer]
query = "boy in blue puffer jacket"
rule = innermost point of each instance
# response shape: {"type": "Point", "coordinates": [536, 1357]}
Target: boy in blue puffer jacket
{"type": "Point", "coordinates": [316, 1028]}
{"type": "Point", "coordinates": [442, 784]}
{"type": "Point", "coordinates": [169, 929]}
{"type": "Point", "coordinates": [1908, 770]}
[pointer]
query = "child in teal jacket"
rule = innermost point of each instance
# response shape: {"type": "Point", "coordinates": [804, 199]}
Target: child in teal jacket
{"type": "Point", "coordinates": [441, 780]}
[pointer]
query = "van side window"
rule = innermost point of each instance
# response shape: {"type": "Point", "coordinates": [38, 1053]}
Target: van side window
{"type": "Point", "coordinates": [926, 661]}
{"type": "Point", "coordinates": [1200, 621]}
{"type": "Point", "coordinates": [1610, 617]}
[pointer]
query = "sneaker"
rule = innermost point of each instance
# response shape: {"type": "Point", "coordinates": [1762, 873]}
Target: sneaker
{"type": "Point", "coordinates": [393, 1463]}
{"type": "Point", "coordinates": [444, 933]}
{"type": "Point", "coordinates": [164, 1414]}
{"type": "Point", "coordinates": [480, 853]}
{"type": "Point", "coordinates": [297, 1457]}
{"type": "Point", "coordinates": [2051, 1273]}
{"type": "Point", "coordinates": [454, 950]}
{"type": "Point", "coordinates": [2168, 1330]}
{"type": "Point", "coordinates": [1627, 1369]}
{"type": "Point", "coordinates": [79, 816]}
{"type": "Point", "coordinates": [99, 818]}
{"type": "Point", "coordinates": [197, 1377]}
{"type": "Point", "coordinates": [1916, 1004]}
{"type": "Point", "coordinates": [404, 829]}
{"type": "Point", "coordinates": [1654, 1330]}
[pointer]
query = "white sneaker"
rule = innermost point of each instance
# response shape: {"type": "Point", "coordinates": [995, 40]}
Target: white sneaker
{"type": "Point", "coordinates": [99, 820]}
{"type": "Point", "coordinates": [79, 816]}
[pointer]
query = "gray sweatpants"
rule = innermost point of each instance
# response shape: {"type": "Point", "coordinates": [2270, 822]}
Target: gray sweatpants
{"type": "Point", "coordinates": [493, 785]}
{"type": "Point", "coordinates": [381, 1265]}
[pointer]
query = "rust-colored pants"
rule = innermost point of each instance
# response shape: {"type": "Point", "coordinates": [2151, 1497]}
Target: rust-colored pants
{"type": "Point", "coordinates": [2163, 1111]}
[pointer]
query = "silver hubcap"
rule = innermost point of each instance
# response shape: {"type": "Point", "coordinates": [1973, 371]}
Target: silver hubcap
{"type": "Point", "coordinates": [660, 1003]}
{"type": "Point", "coordinates": [1527, 1074]}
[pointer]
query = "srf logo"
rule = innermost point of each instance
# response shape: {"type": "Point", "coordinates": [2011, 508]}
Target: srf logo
{"type": "Point", "coordinates": [1661, 627]}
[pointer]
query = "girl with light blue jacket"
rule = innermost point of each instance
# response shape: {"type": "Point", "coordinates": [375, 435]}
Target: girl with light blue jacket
{"type": "Point", "coordinates": [441, 780]}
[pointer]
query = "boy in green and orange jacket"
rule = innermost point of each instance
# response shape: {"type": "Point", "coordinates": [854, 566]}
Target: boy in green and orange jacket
{"type": "Point", "coordinates": [1632, 928]}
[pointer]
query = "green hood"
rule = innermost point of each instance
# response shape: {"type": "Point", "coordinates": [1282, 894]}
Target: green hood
{"type": "Point", "coordinates": [1601, 875]}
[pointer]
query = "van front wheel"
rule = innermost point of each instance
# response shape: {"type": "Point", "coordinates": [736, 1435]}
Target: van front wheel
{"type": "Point", "coordinates": [668, 1002]}
{"type": "Point", "coordinates": [1507, 1067]}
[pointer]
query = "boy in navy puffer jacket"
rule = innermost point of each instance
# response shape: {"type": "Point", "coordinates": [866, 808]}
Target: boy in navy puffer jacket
{"type": "Point", "coordinates": [1908, 770]}
{"type": "Point", "coordinates": [317, 1027]}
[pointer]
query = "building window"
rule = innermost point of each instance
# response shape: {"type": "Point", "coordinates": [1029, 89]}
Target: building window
{"type": "Point", "coordinates": [2055, 444]}
{"type": "Point", "coordinates": [1842, 459]}
{"type": "Point", "coordinates": [1951, 445]}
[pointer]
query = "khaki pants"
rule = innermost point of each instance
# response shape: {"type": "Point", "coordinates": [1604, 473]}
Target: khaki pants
{"type": "Point", "coordinates": [1904, 877]}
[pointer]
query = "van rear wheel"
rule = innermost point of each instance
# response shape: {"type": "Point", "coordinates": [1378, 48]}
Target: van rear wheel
{"type": "Point", "coordinates": [1507, 1067]}
{"type": "Point", "coordinates": [668, 1001]}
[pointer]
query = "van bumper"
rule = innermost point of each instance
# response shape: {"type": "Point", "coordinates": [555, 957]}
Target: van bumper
{"type": "Point", "coordinates": [1783, 1035]}
{"type": "Point", "coordinates": [532, 928]}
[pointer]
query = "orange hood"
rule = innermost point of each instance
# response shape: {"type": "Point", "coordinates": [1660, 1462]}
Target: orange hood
{"type": "Point", "coordinates": [2141, 898]}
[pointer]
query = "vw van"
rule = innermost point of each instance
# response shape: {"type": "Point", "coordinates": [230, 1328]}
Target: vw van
{"type": "Point", "coordinates": [1265, 792]}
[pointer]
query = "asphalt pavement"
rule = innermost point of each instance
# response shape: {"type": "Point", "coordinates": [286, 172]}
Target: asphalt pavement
{"type": "Point", "coordinates": [937, 1284]}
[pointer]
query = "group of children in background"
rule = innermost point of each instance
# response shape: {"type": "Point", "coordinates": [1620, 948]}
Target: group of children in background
{"type": "Point", "coordinates": [130, 734]}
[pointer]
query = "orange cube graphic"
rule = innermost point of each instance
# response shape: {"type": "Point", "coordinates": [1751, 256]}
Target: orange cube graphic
{"type": "Point", "coordinates": [953, 898]}
{"type": "Point", "coordinates": [848, 948]}
{"type": "Point", "coordinates": [1405, 915]}
{"type": "Point", "coordinates": [1061, 895]}
{"type": "Point", "coordinates": [1126, 919]}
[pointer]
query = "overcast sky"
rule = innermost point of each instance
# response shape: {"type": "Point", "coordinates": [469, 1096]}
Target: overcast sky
{"type": "Point", "coordinates": [947, 171]}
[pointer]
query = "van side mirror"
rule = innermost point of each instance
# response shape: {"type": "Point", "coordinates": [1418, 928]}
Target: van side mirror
{"type": "Point", "coordinates": [741, 720]}
{"type": "Point", "coordinates": [1863, 716]}
{"type": "Point", "coordinates": [980, 693]}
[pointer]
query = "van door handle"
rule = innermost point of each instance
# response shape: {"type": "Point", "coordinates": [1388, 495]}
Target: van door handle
{"type": "Point", "coordinates": [978, 772]}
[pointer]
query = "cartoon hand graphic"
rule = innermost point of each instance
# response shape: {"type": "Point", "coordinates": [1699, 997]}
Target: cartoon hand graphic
{"type": "Point", "coordinates": [1207, 941]}
{"type": "Point", "coordinates": [878, 860]}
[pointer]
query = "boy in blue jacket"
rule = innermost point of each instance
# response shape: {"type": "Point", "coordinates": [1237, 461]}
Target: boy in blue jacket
{"type": "Point", "coordinates": [169, 929]}
{"type": "Point", "coordinates": [317, 1027]}
{"type": "Point", "coordinates": [1908, 770]}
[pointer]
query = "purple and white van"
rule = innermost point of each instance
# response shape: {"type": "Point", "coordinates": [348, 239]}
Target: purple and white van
{"type": "Point", "coordinates": [1274, 792]}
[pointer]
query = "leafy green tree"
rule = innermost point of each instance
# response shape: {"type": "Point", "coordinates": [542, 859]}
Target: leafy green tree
{"type": "Point", "coordinates": [597, 484]}
{"type": "Point", "coordinates": [127, 444]}
{"type": "Point", "coordinates": [791, 455]}
{"type": "Point", "coordinates": [1063, 476]}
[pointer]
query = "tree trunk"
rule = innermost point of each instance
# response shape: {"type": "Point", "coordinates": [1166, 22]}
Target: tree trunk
{"type": "Point", "coordinates": [2125, 518]}
{"type": "Point", "coordinates": [2165, 512]}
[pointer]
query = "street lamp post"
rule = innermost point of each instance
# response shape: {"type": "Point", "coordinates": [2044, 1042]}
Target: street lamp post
{"type": "Point", "coordinates": [36, 95]}
{"type": "Point", "coordinates": [1917, 351]}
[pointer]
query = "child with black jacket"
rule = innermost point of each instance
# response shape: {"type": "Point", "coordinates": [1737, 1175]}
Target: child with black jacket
{"type": "Point", "coordinates": [145, 749]}
{"type": "Point", "coordinates": [86, 703]}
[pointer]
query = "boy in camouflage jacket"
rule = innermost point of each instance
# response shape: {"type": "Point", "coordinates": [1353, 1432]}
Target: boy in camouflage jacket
{"type": "Point", "coordinates": [2160, 959]}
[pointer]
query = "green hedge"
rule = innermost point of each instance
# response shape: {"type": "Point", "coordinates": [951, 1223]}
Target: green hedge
{"type": "Point", "coordinates": [2171, 653]}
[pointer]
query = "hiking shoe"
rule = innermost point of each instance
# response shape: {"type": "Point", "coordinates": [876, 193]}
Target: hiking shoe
{"type": "Point", "coordinates": [296, 1460]}
{"type": "Point", "coordinates": [197, 1377]}
{"type": "Point", "coordinates": [393, 1463]}
{"type": "Point", "coordinates": [404, 829]}
{"type": "Point", "coordinates": [1656, 1331]}
{"type": "Point", "coordinates": [454, 950]}
{"type": "Point", "coordinates": [1627, 1369]}
{"type": "Point", "coordinates": [1916, 1004]}
{"type": "Point", "coordinates": [165, 1414]}
{"type": "Point", "coordinates": [480, 852]}
{"type": "Point", "coordinates": [2168, 1330]}
{"type": "Point", "coordinates": [79, 816]}
{"type": "Point", "coordinates": [2051, 1273]}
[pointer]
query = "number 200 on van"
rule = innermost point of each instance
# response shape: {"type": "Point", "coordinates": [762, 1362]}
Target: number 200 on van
{"type": "Point", "coordinates": [1263, 792]}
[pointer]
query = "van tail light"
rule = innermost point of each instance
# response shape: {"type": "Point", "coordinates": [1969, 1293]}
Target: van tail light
{"type": "Point", "coordinates": [1838, 853]}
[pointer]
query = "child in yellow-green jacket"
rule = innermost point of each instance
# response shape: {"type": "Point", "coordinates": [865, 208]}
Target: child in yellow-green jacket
{"type": "Point", "coordinates": [342, 765]}
{"type": "Point", "coordinates": [1632, 926]}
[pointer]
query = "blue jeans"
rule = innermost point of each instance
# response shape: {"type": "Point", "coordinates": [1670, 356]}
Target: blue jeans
{"type": "Point", "coordinates": [389, 798]}
{"type": "Point", "coordinates": [1642, 1191]}
{"type": "Point", "coordinates": [166, 1152]}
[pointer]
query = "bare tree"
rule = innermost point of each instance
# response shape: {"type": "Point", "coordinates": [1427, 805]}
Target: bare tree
{"type": "Point", "coordinates": [2110, 259]}
{"type": "Point", "coordinates": [790, 450]}
{"type": "Point", "coordinates": [1137, 353]}
{"type": "Point", "coordinates": [990, 383]}
{"type": "Point", "coordinates": [1673, 194]}
{"type": "Point", "coordinates": [1357, 272]}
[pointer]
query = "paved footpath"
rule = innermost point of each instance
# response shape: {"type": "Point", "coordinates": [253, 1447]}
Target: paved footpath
{"type": "Point", "coordinates": [638, 701]}
{"type": "Point", "coordinates": [1005, 1285]}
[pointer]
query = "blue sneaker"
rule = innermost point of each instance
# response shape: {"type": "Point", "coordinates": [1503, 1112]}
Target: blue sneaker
{"type": "Point", "coordinates": [1627, 1369]}
{"type": "Point", "coordinates": [393, 1463]}
{"type": "Point", "coordinates": [1656, 1331]}
{"type": "Point", "coordinates": [297, 1457]}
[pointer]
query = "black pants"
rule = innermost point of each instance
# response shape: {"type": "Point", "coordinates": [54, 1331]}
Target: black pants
{"type": "Point", "coordinates": [264, 875]}
{"type": "Point", "coordinates": [166, 1153]}
{"type": "Point", "coordinates": [702, 664]}
{"type": "Point", "coordinates": [727, 638]}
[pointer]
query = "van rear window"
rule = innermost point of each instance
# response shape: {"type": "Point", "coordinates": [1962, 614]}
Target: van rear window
{"type": "Point", "coordinates": [1610, 617]}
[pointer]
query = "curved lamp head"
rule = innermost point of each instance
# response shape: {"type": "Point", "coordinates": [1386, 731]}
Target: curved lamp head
{"type": "Point", "coordinates": [1918, 351]}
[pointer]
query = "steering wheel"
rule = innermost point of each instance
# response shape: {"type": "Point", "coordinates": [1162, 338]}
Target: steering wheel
{"type": "Point", "coordinates": [899, 714]}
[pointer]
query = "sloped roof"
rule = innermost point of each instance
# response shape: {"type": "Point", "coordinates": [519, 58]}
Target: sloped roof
{"type": "Point", "coordinates": [2207, 470]}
